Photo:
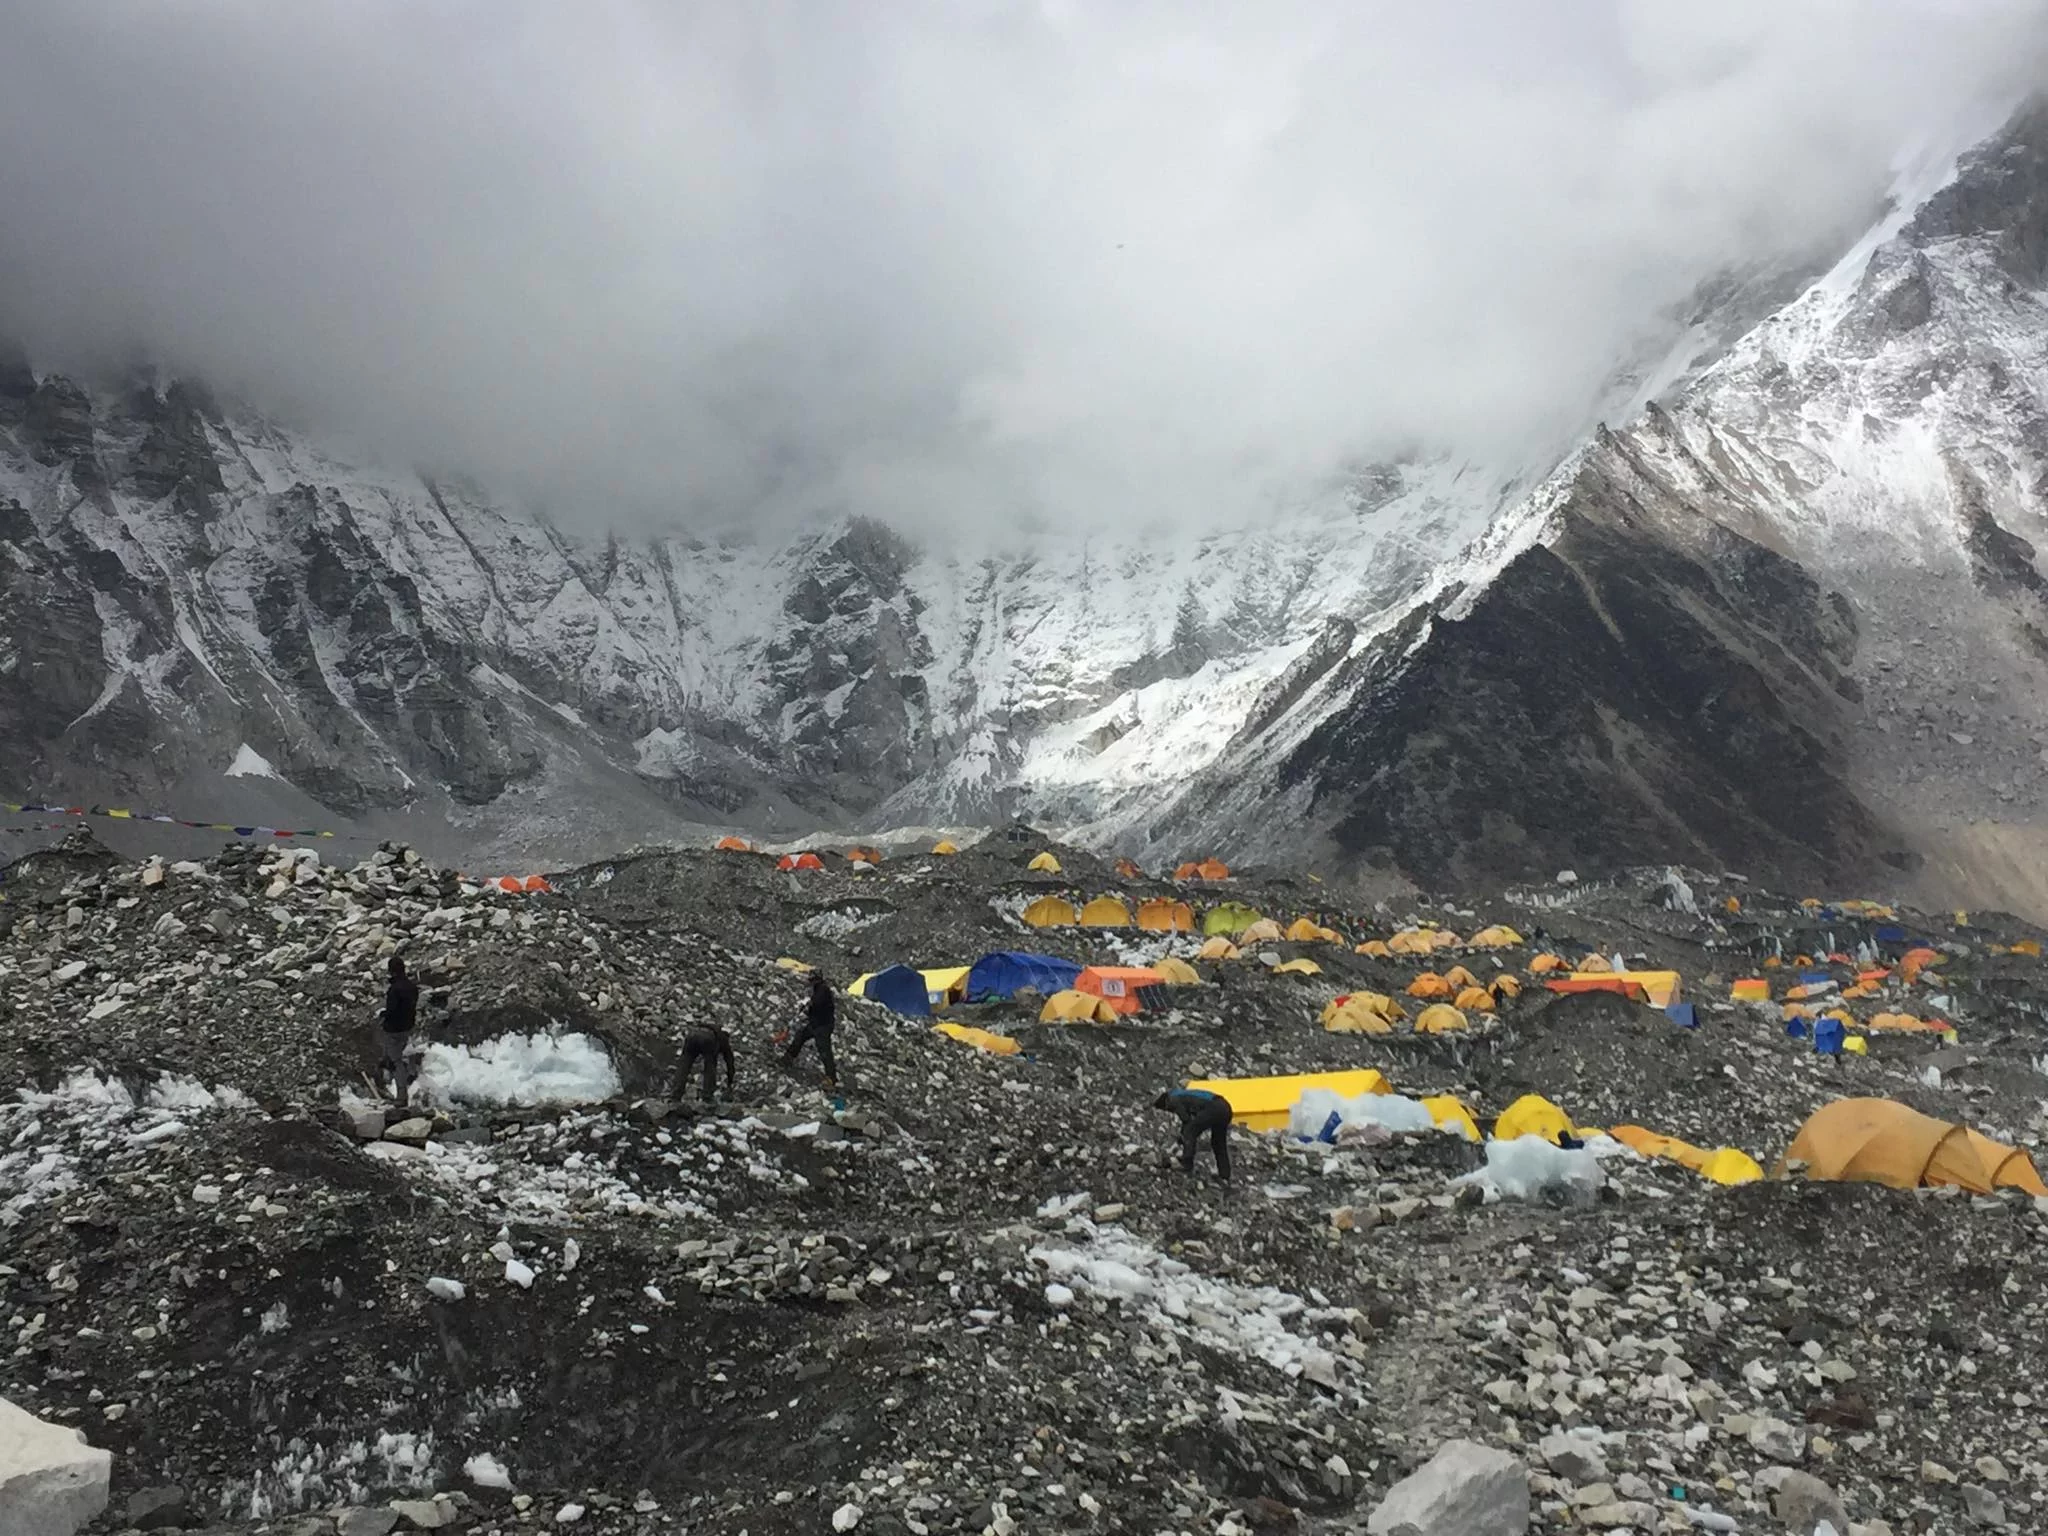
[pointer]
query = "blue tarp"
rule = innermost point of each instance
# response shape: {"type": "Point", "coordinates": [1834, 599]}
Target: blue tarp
{"type": "Point", "coordinates": [900, 988]}
{"type": "Point", "coordinates": [1683, 1014]}
{"type": "Point", "coordinates": [1006, 972]}
{"type": "Point", "coordinates": [1890, 934]}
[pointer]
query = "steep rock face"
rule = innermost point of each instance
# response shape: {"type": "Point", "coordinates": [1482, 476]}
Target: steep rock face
{"type": "Point", "coordinates": [1789, 621]}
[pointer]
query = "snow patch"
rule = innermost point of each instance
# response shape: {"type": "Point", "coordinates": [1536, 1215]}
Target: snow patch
{"type": "Point", "coordinates": [251, 764]}
{"type": "Point", "coordinates": [520, 1069]}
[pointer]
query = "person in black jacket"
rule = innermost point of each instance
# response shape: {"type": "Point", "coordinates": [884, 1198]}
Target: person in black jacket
{"type": "Point", "coordinates": [708, 1044]}
{"type": "Point", "coordinates": [1200, 1111]}
{"type": "Point", "coordinates": [401, 1006]}
{"type": "Point", "coordinates": [821, 1012]}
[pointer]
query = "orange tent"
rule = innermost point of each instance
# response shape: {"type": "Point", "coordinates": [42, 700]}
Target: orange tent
{"type": "Point", "coordinates": [1505, 985]}
{"type": "Point", "coordinates": [1129, 870]}
{"type": "Point", "coordinates": [1632, 990]}
{"type": "Point", "coordinates": [1880, 1141]}
{"type": "Point", "coordinates": [1188, 872]}
{"type": "Point", "coordinates": [1429, 985]}
{"type": "Point", "coordinates": [537, 883]}
{"type": "Point", "coordinates": [1214, 869]}
{"type": "Point", "coordinates": [510, 884]}
{"type": "Point", "coordinates": [1118, 985]}
{"type": "Point", "coordinates": [1162, 914]}
{"type": "Point", "coordinates": [1474, 1000]}
{"type": "Point", "coordinates": [799, 861]}
{"type": "Point", "coordinates": [865, 855]}
{"type": "Point", "coordinates": [1377, 948]}
{"type": "Point", "coordinates": [734, 845]}
{"type": "Point", "coordinates": [1594, 965]}
{"type": "Point", "coordinates": [1543, 965]}
{"type": "Point", "coordinates": [1914, 961]}
{"type": "Point", "coordinates": [1458, 976]}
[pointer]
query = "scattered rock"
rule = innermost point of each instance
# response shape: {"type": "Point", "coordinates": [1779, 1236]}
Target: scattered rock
{"type": "Point", "coordinates": [1465, 1489]}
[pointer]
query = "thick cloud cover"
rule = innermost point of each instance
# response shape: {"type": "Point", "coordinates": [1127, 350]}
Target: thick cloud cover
{"type": "Point", "coordinates": [945, 260]}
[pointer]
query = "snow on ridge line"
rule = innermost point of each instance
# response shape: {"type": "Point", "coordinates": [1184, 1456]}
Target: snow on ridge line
{"type": "Point", "coordinates": [520, 1070]}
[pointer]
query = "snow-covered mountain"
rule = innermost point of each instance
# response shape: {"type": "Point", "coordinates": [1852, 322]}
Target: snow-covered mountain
{"type": "Point", "coordinates": [1793, 618]}
{"type": "Point", "coordinates": [1787, 616]}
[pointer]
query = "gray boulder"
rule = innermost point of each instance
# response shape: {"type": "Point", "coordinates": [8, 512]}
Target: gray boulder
{"type": "Point", "coordinates": [51, 1481]}
{"type": "Point", "coordinates": [1465, 1489]}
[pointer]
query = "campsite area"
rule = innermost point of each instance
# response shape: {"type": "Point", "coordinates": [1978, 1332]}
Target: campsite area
{"type": "Point", "coordinates": [1691, 1206]}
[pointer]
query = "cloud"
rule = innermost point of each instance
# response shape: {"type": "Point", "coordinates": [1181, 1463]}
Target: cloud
{"type": "Point", "coordinates": [967, 262]}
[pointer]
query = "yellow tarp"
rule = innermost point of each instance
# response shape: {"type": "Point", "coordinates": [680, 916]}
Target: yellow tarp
{"type": "Point", "coordinates": [1440, 1019]}
{"type": "Point", "coordinates": [792, 965]}
{"type": "Point", "coordinates": [1045, 864]}
{"type": "Point", "coordinates": [1050, 912]}
{"type": "Point", "coordinates": [1263, 1103]}
{"type": "Point", "coordinates": [1076, 1008]}
{"type": "Point", "coordinates": [1298, 968]}
{"type": "Point", "coordinates": [1000, 1045]}
{"type": "Point", "coordinates": [1106, 912]}
{"type": "Point", "coordinates": [943, 846]}
{"type": "Point", "coordinates": [1723, 1165]}
{"type": "Point", "coordinates": [1532, 1115]}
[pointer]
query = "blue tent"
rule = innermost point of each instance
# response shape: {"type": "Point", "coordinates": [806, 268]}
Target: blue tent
{"type": "Point", "coordinates": [1828, 1035]}
{"type": "Point", "coordinates": [1685, 1015]}
{"type": "Point", "coordinates": [1006, 972]}
{"type": "Point", "coordinates": [901, 989]}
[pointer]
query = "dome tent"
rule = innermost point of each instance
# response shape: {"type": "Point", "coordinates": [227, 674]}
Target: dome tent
{"type": "Point", "coordinates": [1881, 1141]}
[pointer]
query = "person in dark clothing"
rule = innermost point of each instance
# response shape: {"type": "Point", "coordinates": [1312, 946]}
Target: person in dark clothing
{"type": "Point", "coordinates": [1200, 1111]}
{"type": "Point", "coordinates": [401, 1005]}
{"type": "Point", "coordinates": [708, 1044]}
{"type": "Point", "coordinates": [821, 1012]}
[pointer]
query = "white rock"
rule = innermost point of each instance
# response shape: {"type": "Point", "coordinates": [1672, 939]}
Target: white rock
{"type": "Point", "coordinates": [51, 1481]}
{"type": "Point", "coordinates": [1057, 1295]}
{"type": "Point", "coordinates": [568, 1514]}
{"type": "Point", "coordinates": [846, 1517]}
{"type": "Point", "coordinates": [519, 1274]}
{"type": "Point", "coordinates": [1575, 1458]}
{"type": "Point", "coordinates": [572, 1251]}
{"type": "Point", "coordinates": [206, 1194]}
{"type": "Point", "coordinates": [486, 1471]}
{"type": "Point", "coordinates": [1466, 1489]}
{"type": "Point", "coordinates": [447, 1290]}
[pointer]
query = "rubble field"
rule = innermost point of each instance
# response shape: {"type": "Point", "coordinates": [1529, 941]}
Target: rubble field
{"type": "Point", "coordinates": [962, 1291]}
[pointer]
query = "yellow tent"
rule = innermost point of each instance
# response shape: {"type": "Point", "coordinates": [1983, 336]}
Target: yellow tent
{"type": "Point", "coordinates": [1304, 931]}
{"type": "Point", "coordinates": [1439, 1019]}
{"type": "Point", "coordinates": [1505, 985]}
{"type": "Point", "coordinates": [1263, 1103]}
{"type": "Point", "coordinates": [1072, 1007]}
{"type": "Point", "coordinates": [1001, 1045]}
{"type": "Point", "coordinates": [1532, 1115]}
{"type": "Point", "coordinates": [1881, 1141]}
{"type": "Point", "coordinates": [1411, 941]}
{"type": "Point", "coordinates": [1106, 912]}
{"type": "Point", "coordinates": [1264, 931]}
{"type": "Point", "coordinates": [1354, 1020]}
{"type": "Point", "coordinates": [1447, 1109]}
{"type": "Point", "coordinates": [1218, 948]}
{"type": "Point", "coordinates": [1298, 968]}
{"type": "Point", "coordinates": [1050, 912]}
{"type": "Point", "coordinates": [1178, 973]}
{"type": "Point", "coordinates": [1543, 965]}
{"type": "Point", "coordinates": [945, 984]}
{"type": "Point", "coordinates": [1474, 1000]}
{"type": "Point", "coordinates": [945, 845]}
{"type": "Point", "coordinates": [1750, 989]}
{"type": "Point", "coordinates": [1429, 985]}
{"type": "Point", "coordinates": [1458, 976]}
{"type": "Point", "coordinates": [1595, 965]}
{"type": "Point", "coordinates": [1499, 936]}
{"type": "Point", "coordinates": [1375, 947]}
{"type": "Point", "coordinates": [1045, 864]}
{"type": "Point", "coordinates": [1662, 986]}
{"type": "Point", "coordinates": [1162, 914]}
{"type": "Point", "coordinates": [1725, 1165]}
{"type": "Point", "coordinates": [1376, 1002]}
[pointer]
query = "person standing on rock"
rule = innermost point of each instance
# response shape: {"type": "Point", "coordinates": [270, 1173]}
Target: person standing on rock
{"type": "Point", "coordinates": [1200, 1111]}
{"type": "Point", "coordinates": [821, 1013]}
{"type": "Point", "coordinates": [708, 1044]}
{"type": "Point", "coordinates": [401, 1005]}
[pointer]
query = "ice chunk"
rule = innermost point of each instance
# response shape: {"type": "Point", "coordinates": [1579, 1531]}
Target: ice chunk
{"type": "Point", "coordinates": [1312, 1111]}
{"type": "Point", "coordinates": [486, 1471]}
{"type": "Point", "coordinates": [519, 1069]}
{"type": "Point", "coordinates": [1530, 1168]}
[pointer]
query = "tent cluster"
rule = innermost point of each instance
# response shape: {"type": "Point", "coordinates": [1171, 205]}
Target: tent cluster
{"type": "Point", "coordinates": [519, 885]}
{"type": "Point", "coordinates": [1203, 869]}
{"type": "Point", "coordinates": [1534, 1115]}
{"type": "Point", "coordinates": [1424, 941]}
{"type": "Point", "coordinates": [1159, 914]}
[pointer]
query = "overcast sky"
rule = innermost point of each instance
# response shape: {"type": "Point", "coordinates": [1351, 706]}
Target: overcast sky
{"type": "Point", "coordinates": [964, 259]}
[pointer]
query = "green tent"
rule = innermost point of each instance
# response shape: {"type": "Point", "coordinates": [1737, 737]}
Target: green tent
{"type": "Point", "coordinates": [1232, 918]}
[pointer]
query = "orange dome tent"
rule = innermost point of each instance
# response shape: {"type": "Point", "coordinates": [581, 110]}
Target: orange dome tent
{"type": "Point", "coordinates": [1543, 965]}
{"type": "Point", "coordinates": [1188, 872]}
{"type": "Point", "coordinates": [1213, 869]}
{"type": "Point", "coordinates": [734, 845]}
{"type": "Point", "coordinates": [1162, 914]}
{"type": "Point", "coordinates": [1458, 976]}
{"type": "Point", "coordinates": [1430, 985]}
{"type": "Point", "coordinates": [794, 861]}
{"type": "Point", "coordinates": [1474, 1000]}
{"type": "Point", "coordinates": [1377, 948]}
{"type": "Point", "coordinates": [1881, 1141]}
{"type": "Point", "coordinates": [1129, 870]}
{"type": "Point", "coordinates": [865, 855]}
